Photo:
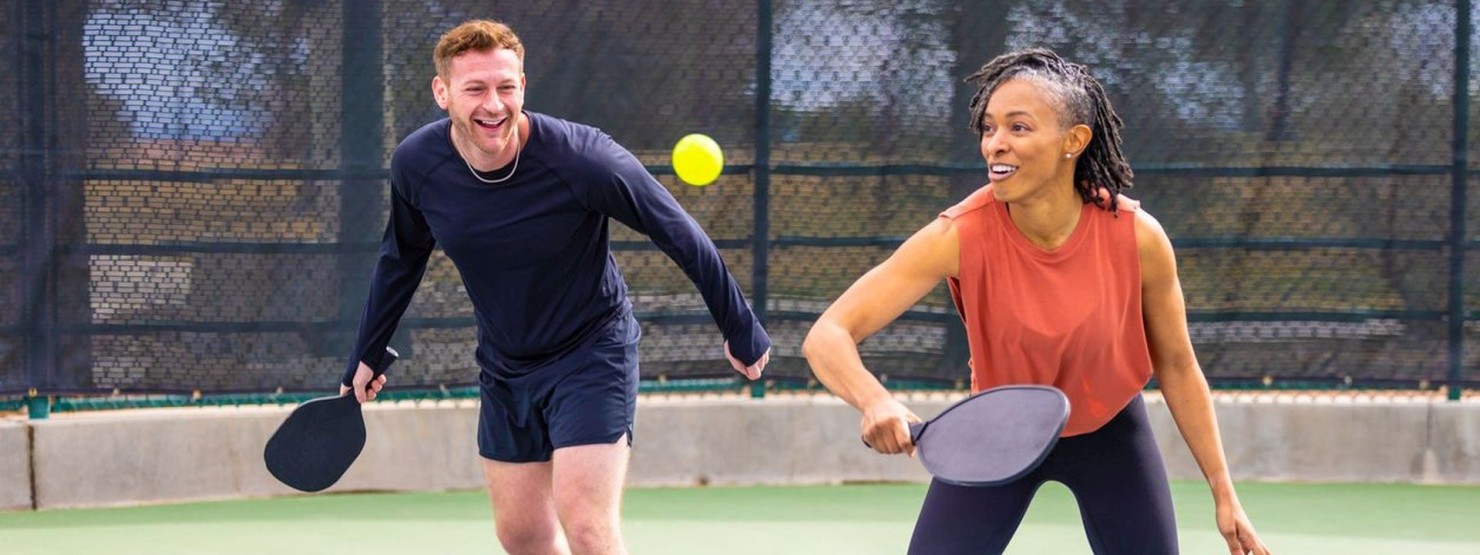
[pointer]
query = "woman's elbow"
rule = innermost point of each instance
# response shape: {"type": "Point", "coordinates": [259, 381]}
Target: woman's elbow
{"type": "Point", "coordinates": [817, 339]}
{"type": "Point", "coordinates": [809, 343]}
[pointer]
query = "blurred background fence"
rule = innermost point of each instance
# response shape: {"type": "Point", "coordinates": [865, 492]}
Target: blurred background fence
{"type": "Point", "coordinates": [191, 192]}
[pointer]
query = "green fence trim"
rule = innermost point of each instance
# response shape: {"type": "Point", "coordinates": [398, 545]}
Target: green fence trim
{"type": "Point", "coordinates": [63, 404]}
{"type": "Point", "coordinates": [37, 407]}
{"type": "Point", "coordinates": [892, 384]}
{"type": "Point", "coordinates": [695, 385]}
{"type": "Point", "coordinates": [144, 401]}
{"type": "Point", "coordinates": [1333, 385]}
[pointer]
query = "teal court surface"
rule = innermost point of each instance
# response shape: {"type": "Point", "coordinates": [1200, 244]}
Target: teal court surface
{"type": "Point", "coordinates": [1305, 519]}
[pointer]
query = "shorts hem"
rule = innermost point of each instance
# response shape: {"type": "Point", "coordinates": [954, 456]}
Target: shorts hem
{"type": "Point", "coordinates": [599, 440]}
{"type": "Point", "coordinates": [511, 460]}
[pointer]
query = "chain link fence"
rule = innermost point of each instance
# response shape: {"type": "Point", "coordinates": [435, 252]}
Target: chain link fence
{"type": "Point", "coordinates": [193, 191]}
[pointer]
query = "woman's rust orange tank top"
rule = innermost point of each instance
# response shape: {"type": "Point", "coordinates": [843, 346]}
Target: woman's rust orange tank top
{"type": "Point", "coordinates": [1068, 317]}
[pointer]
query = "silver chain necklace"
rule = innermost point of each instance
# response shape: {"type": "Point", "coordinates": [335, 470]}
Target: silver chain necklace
{"type": "Point", "coordinates": [517, 152]}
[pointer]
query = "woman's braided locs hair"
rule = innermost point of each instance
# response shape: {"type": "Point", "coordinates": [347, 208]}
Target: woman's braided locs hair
{"type": "Point", "coordinates": [1080, 99]}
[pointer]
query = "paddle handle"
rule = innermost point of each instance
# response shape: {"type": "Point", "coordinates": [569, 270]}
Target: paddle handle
{"type": "Point", "coordinates": [380, 367]}
{"type": "Point", "coordinates": [916, 428]}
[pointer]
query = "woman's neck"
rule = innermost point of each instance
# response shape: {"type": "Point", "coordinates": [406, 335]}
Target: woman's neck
{"type": "Point", "coordinates": [1049, 220]}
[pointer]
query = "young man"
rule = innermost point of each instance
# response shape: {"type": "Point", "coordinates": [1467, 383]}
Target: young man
{"type": "Point", "coordinates": [521, 203]}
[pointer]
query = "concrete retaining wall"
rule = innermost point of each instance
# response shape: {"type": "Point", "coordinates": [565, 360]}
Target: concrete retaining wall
{"type": "Point", "coordinates": [15, 467]}
{"type": "Point", "coordinates": [806, 440]}
{"type": "Point", "coordinates": [146, 456]}
{"type": "Point", "coordinates": [127, 457]}
{"type": "Point", "coordinates": [1369, 442]}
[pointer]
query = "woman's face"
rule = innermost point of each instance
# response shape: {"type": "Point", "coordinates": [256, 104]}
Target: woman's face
{"type": "Point", "coordinates": [1026, 146]}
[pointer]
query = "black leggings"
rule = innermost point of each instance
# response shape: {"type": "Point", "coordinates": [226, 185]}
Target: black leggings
{"type": "Point", "coordinates": [1116, 475]}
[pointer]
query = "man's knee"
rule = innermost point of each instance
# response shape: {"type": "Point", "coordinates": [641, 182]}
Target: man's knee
{"type": "Point", "coordinates": [591, 522]}
{"type": "Point", "coordinates": [519, 538]}
{"type": "Point", "coordinates": [592, 534]}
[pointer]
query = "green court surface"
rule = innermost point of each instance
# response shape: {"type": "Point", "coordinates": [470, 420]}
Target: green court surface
{"type": "Point", "coordinates": [857, 519]}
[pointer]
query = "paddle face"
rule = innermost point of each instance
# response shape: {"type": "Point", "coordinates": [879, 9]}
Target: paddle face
{"type": "Point", "coordinates": [319, 440]}
{"type": "Point", "coordinates": [993, 437]}
{"type": "Point", "coordinates": [317, 443]}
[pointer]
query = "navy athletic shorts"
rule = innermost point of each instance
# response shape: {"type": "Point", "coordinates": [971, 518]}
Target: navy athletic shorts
{"type": "Point", "coordinates": [1115, 472]}
{"type": "Point", "coordinates": [587, 398]}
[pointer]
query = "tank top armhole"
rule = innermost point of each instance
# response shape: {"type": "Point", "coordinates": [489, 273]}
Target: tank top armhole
{"type": "Point", "coordinates": [969, 260]}
{"type": "Point", "coordinates": [967, 217]}
{"type": "Point", "coordinates": [1129, 235]}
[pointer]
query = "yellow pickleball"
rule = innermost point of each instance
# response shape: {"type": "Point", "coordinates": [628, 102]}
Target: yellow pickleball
{"type": "Point", "coordinates": [697, 159]}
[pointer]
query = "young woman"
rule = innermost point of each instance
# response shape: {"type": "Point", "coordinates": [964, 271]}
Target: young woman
{"type": "Point", "coordinates": [1057, 284]}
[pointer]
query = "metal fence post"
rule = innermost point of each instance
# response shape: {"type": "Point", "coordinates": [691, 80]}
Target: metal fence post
{"type": "Point", "coordinates": [361, 151]}
{"type": "Point", "coordinates": [761, 240]}
{"type": "Point", "coordinates": [1458, 198]}
{"type": "Point", "coordinates": [37, 243]}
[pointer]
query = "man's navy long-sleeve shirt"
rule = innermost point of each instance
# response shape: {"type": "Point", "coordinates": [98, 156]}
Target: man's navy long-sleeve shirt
{"type": "Point", "coordinates": [534, 251]}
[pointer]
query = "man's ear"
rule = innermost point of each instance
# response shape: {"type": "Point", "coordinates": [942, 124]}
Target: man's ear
{"type": "Point", "coordinates": [439, 92]}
